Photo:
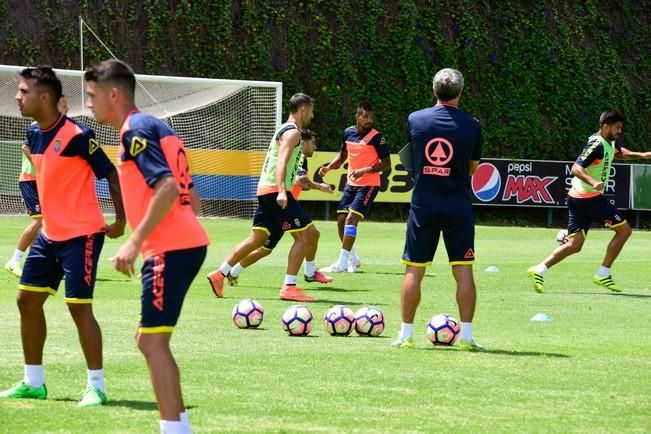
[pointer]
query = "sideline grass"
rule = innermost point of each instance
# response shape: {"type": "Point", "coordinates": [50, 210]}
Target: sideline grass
{"type": "Point", "coordinates": [586, 371]}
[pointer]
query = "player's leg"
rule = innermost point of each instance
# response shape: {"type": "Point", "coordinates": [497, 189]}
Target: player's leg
{"type": "Point", "coordinates": [360, 208]}
{"type": "Point", "coordinates": [295, 221]}
{"type": "Point", "coordinates": [579, 219]}
{"type": "Point", "coordinates": [30, 197]}
{"type": "Point", "coordinates": [40, 278]}
{"type": "Point", "coordinates": [343, 209]}
{"type": "Point", "coordinates": [165, 281]}
{"type": "Point", "coordinates": [276, 234]}
{"type": "Point", "coordinates": [420, 246]}
{"type": "Point", "coordinates": [614, 219]}
{"type": "Point", "coordinates": [263, 222]}
{"type": "Point", "coordinates": [79, 258]}
{"type": "Point", "coordinates": [459, 237]}
{"type": "Point", "coordinates": [311, 272]}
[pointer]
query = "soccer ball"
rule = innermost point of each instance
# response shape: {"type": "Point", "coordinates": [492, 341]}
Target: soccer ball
{"type": "Point", "coordinates": [247, 314]}
{"type": "Point", "coordinates": [369, 321]}
{"type": "Point", "coordinates": [561, 237]}
{"type": "Point", "coordinates": [339, 320]}
{"type": "Point", "coordinates": [442, 329]}
{"type": "Point", "coordinates": [297, 320]}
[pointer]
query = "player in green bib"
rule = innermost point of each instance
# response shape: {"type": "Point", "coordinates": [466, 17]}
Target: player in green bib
{"type": "Point", "coordinates": [277, 207]}
{"type": "Point", "coordinates": [586, 202]}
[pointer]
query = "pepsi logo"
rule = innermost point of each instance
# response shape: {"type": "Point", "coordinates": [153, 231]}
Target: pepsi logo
{"type": "Point", "coordinates": [486, 182]}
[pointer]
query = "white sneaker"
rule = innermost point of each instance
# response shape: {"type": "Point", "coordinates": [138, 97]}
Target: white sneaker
{"type": "Point", "coordinates": [14, 268]}
{"type": "Point", "coordinates": [353, 265]}
{"type": "Point", "coordinates": [334, 268]}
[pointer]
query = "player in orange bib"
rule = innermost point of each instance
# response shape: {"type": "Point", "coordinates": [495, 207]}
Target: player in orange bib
{"type": "Point", "coordinates": [368, 155]}
{"type": "Point", "coordinates": [161, 205]}
{"type": "Point", "coordinates": [67, 159]}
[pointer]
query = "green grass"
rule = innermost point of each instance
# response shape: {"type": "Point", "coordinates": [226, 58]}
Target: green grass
{"type": "Point", "coordinates": [585, 371]}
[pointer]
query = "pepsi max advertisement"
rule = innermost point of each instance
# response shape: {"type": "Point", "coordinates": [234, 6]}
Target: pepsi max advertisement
{"type": "Point", "coordinates": [539, 183]}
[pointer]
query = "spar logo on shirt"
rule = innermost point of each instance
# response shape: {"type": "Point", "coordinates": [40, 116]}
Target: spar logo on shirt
{"type": "Point", "coordinates": [438, 152]}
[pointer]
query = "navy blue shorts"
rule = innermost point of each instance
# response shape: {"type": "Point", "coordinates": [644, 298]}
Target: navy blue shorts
{"type": "Point", "coordinates": [165, 281]}
{"type": "Point", "coordinates": [424, 230]}
{"type": "Point", "coordinates": [75, 259]}
{"type": "Point", "coordinates": [274, 238]}
{"type": "Point", "coordinates": [357, 200]}
{"type": "Point", "coordinates": [30, 196]}
{"type": "Point", "coordinates": [583, 211]}
{"type": "Point", "coordinates": [269, 215]}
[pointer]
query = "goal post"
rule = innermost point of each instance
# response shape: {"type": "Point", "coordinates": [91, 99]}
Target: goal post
{"type": "Point", "coordinates": [226, 126]}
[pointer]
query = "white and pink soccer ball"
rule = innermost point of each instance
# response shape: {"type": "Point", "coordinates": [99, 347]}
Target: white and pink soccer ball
{"type": "Point", "coordinates": [297, 320]}
{"type": "Point", "coordinates": [247, 314]}
{"type": "Point", "coordinates": [339, 320]}
{"type": "Point", "coordinates": [442, 329]}
{"type": "Point", "coordinates": [369, 321]}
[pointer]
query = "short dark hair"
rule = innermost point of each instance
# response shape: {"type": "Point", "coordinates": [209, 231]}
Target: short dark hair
{"type": "Point", "coordinates": [45, 77]}
{"type": "Point", "coordinates": [307, 134]}
{"type": "Point", "coordinates": [115, 72]}
{"type": "Point", "coordinates": [610, 117]}
{"type": "Point", "coordinates": [299, 100]}
{"type": "Point", "coordinates": [364, 106]}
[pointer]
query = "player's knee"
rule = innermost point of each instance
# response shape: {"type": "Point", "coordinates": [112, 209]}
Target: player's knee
{"type": "Point", "coordinates": [29, 302]}
{"type": "Point", "coordinates": [625, 232]}
{"type": "Point", "coordinates": [352, 219]}
{"type": "Point", "coordinates": [81, 312]}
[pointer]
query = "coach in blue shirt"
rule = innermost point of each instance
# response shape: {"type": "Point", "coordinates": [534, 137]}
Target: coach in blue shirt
{"type": "Point", "coordinates": [446, 146]}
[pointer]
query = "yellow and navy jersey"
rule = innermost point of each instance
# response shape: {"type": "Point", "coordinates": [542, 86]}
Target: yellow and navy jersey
{"type": "Point", "coordinates": [365, 148]}
{"type": "Point", "coordinates": [67, 159]}
{"type": "Point", "coordinates": [444, 140]}
{"type": "Point", "coordinates": [150, 151]}
{"type": "Point", "coordinates": [596, 158]}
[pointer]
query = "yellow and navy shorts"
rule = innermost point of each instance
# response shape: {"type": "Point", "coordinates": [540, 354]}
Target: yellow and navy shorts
{"type": "Point", "coordinates": [424, 230]}
{"type": "Point", "coordinates": [357, 200]}
{"type": "Point", "coordinates": [269, 215]}
{"type": "Point", "coordinates": [30, 197]}
{"type": "Point", "coordinates": [166, 279]}
{"type": "Point", "coordinates": [48, 262]}
{"type": "Point", "coordinates": [582, 211]}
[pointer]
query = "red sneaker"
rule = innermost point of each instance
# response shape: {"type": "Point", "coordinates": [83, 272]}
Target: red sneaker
{"type": "Point", "coordinates": [294, 293]}
{"type": "Point", "coordinates": [216, 279]}
{"type": "Point", "coordinates": [318, 277]}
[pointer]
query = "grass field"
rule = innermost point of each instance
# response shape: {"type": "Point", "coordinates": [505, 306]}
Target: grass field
{"type": "Point", "coordinates": [588, 370]}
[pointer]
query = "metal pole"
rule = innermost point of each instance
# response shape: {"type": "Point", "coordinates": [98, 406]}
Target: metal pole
{"type": "Point", "coordinates": [549, 217]}
{"type": "Point", "coordinates": [81, 59]}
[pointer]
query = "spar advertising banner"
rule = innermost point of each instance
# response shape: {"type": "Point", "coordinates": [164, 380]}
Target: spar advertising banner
{"type": "Point", "coordinates": [497, 182]}
{"type": "Point", "coordinates": [539, 183]}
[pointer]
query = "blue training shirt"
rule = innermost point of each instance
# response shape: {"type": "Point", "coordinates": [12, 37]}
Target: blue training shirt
{"type": "Point", "coordinates": [444, 140]}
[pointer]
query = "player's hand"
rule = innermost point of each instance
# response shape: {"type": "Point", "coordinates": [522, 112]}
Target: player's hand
{"type": "Point", "coordinates": [323, 170]}
{"type": "Point", "coordinates": [599, 186]}
{"type": "Point", "coordinates": [124, 259]}
{"type": "Point", "coordinates": [357, 173]}
{"type": "Point", "coordinates": [114, 230]}
{"type": "Point", "coordinates": [281, 199]}
{"type": "Point", "coordinates": [326, 188]}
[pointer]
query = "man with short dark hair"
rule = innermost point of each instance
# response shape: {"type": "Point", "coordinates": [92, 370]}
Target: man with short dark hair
{"type": "Point", "coordinates": [308, 138]}
{"type": "Point", "coordinates": [446, 146]}
{"type": "Point", "coordinates": [161, 204]}
{"type": "Point", "coordinates": [368, 155]}
{"type": "Point", "coordinates": [586, 202]}
{"type": "Point", "coordinates": [67, 159]}
{"type": "Point", "coordinates": [277, 207]}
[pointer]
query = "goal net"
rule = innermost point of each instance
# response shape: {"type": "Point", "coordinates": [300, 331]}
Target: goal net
{"type": "Point", "coordinates": [226, 126]}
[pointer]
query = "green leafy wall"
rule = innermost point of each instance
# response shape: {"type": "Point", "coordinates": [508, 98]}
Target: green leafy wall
{"type": "Point", "coordinates": [538, 73]}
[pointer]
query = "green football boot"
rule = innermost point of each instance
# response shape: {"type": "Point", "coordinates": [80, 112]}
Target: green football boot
{"type": "Point", "coordinates": [92, 397]}
{"type": "Point", "coordinates": [536, 279]}
{"type": "Point", "coordinates": [470, 345]}
{"type": "Point", "coordinates": [606, 282]}
{"type": "Point", "coordinates": [403, 344]}
{"type": "Point", "coordinates": [24, 391]}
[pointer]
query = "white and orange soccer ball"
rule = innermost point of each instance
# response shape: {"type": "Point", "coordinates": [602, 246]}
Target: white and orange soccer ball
{"type": "Point", "coordinates": [247, 314]}
{"type": "Point", "coordinates": [369, 321]}
{"type": "Point", "coordinates": [297, 320]}
{"type": "Point", "coordinates": [339, 321]}
{"type": "Point", "coordinates": [442, 329]}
